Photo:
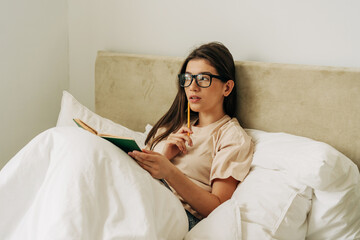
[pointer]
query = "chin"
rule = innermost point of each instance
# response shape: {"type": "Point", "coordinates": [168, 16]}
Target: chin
{"type": "Point", "coordinates": [195, 109]}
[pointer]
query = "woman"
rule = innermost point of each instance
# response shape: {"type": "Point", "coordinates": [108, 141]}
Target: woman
{"type": "Point", "coordinates": [202, 164]}
{"type": "Point", "coordinates": [68, 183]}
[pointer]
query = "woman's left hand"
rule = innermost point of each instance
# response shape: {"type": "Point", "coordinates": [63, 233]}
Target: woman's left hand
{"type": "Point", "coordinates": [155, 163]}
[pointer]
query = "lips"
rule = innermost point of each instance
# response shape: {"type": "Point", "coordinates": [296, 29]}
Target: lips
{"type": "Point", "coordinates": [194, 98]}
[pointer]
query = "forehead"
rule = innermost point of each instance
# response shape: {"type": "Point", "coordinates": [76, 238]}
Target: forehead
{"type": "Point", "coordinates": [196, 66]}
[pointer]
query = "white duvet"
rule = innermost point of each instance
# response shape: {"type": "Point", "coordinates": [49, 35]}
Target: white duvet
{"type": "Point", "coordinates": [70, 184]}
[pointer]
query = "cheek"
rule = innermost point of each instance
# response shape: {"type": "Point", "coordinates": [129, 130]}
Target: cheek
{"type": "Point", "coordinates": [186, 92]}
{"type": "Point", "coordinates": [216, 92]}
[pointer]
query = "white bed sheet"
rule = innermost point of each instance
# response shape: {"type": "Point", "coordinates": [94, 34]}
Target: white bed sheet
{"type": "Point", "coordinates": [70, 184]}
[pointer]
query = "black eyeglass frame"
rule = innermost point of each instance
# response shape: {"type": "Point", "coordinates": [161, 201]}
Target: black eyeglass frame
{"type": "Point", "coordinates": [194, 76]}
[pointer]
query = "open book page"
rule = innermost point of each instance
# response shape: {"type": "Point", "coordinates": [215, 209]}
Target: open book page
{"type": "Point", "coordinates": [83, 125]}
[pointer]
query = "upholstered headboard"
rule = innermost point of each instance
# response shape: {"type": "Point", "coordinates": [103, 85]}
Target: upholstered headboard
{"type": "Point", "coordinates": [322, 103]}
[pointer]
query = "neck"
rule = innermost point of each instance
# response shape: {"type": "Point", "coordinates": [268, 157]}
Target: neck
{"type": "Point", "coordinates": [206, 119]}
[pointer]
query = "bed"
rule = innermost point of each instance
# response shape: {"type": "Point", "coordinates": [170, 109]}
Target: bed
{"type": "Point", "coordinates": [304, 121]}
{"type": "Point", "coordinates": [304, 182]}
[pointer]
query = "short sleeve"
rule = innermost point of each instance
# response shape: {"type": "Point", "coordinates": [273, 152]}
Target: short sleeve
{"type": "Point", "coordinates": [233, 153]}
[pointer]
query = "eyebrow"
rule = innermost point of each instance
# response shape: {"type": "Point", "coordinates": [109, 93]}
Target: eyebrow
{"type": "Point", "coordinates": [200, 73]}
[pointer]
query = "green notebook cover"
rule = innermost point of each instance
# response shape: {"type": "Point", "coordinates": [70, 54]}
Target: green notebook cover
{"type": "Point", "coordinates": [128, 145]}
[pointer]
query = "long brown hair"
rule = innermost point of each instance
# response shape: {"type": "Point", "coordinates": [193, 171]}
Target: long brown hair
{"type": "Point", "coordinates": [221, 59]}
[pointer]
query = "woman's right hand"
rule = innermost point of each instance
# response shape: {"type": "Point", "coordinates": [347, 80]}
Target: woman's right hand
{"type": "Point", "coordinates": [175, 143]}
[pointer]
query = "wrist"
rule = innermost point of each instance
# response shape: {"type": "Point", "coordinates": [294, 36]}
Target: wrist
{"type": "Point", "coordinates": [168, 155]}
{"type": "Point", "coordinates": [171, 173]}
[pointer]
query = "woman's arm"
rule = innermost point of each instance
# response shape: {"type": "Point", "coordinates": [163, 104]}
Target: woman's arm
{"type": "Point", "coordinates": [199, 199]}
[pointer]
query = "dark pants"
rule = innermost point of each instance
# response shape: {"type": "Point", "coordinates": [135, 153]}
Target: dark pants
{"type": "Point", "coordinates": [192, 220]}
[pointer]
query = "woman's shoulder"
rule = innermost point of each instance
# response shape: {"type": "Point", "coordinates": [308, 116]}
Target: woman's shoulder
{"type": "Point", "coordinates": [232, 130]}
{"type": "Point", "coordinates": [231, 124]}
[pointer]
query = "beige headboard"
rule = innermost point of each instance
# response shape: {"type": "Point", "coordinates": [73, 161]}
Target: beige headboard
{"type": "Point", "coordinates": [322, 103]}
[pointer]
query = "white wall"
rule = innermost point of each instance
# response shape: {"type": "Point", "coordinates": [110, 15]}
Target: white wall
{"type": "Point", "coordinates": [316, 32]}
{"type": "Point", "coordinates": [36, 64]}
{"type": "Point", "coordinates": [33, 69]}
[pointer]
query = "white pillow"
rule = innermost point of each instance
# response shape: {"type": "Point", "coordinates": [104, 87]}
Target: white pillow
{"type": "Point", "coordinates": [267, 205]}
{"type": "Point", "coordinates": [334, 178]}
{"type": "Point", "coordinates": [71, 108]}
{"type": "Point", "coordinates": [313, 163]}
{"type": "Point", "coordinates": [272, 203]}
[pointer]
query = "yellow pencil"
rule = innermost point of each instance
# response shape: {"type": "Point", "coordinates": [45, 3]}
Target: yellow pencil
{"type": "Point", "coordinates": [188, 117]}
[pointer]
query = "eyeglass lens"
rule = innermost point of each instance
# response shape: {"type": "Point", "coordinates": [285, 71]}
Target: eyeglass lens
{"type": "Point", "coordinates": [202, 80]}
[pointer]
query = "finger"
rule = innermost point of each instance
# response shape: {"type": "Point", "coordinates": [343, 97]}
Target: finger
{"type": "Point", "coordinates": [181, 146]}
{"type": "Point", "coordinates": [178, 138]}
{"type": "Point", "coordinates": [183, 137]}
{"type": "Point", "coordinates": [144, 166]}
{"type": "Point", "coordinates": [150, 152]}
{"type": "Point", "coordinates": [143, 156]}
{"type": "Point", "coordinates": [143, 161]}
{"type": "Point", "coordinates": [188, 140]}
{"type": "Point", "coordinates": [185, 130]}
{"type": "Point", "coordinates": [179, 143]}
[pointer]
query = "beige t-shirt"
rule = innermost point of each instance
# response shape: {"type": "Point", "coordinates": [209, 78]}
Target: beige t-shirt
{"type": "Point", "coordinates": [220, 150]}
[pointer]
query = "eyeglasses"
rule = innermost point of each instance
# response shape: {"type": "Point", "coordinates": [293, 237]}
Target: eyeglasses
{"type": "Point", "coordinates": [202, 80]}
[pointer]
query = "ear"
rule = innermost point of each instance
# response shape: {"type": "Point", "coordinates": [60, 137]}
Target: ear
{"type": "Point", "coordinates": [229, 85]}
